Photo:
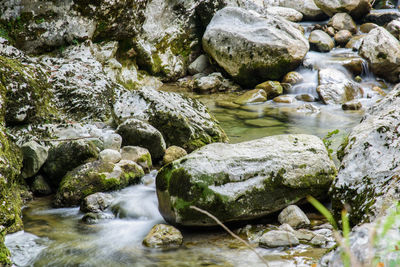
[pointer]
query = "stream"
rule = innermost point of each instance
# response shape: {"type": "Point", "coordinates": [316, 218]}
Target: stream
{"type": "Point", "coordinates": [58, 237]}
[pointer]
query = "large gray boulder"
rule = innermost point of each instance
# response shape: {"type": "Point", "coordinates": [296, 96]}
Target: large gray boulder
{"type": "Point", "coordinates": [243, 181]}
{"type": "Point", "coordinates": [356, 8]}
{"type": "Point", "coordinates": [368, 176]}
{"type": "Point", "coordinates": [382, 50]}
{"type": "Point", "coordinates": [251, 48]}
{"type": "Point", "coordinates": [182, 121]}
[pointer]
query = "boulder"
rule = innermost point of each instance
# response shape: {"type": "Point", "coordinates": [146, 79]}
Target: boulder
{"type": "Point", "coordinates": [321, 41]}
{"type": "Point", "coordinates": [278, 238]}
{"type": "Point", "coordinates": [137, 154]}
{"type": "Point", "coordinates": [382, 50]}
{"type": "Point", "coordinates": [243, 181]}
{"type": "Point", "coordinates": [335, 88]}
{"type": "Point", "coordinates": [252, 96]}
{"type": "Point", "coordinates": [342, 37]}
{"type": "Point", "coordinates": [93, 177]}
{"type": "Point", "coordinates": [40, 187]}
{"type": "Point", "coordinates": [394, 28]}
{"type": "Point", "coordinates": [182, 121]}
{"type": "Point", "coordinates": [381, 18]}
{"type": "Point", "coordinates": [307, 7]}
{"type": "Point", "coordinates": [96, 202]}
{"type": "Point", "coordinates": [272, 88]}
{"type": "Point", "coordinates": [294, 216]}
{"type": "Point", "coordinates": [343, 21]}
{"type": "Point", "coordinates": [284, 12]}
{"type": "Point", "coordinates": [65, 157]}
{"type": "Point", "coordinates": [110, 155]}
{"type": "Point", "coordinates": [367, 27]}
{"type": "Point", "coordinates": [163, 236]}
{"type": "Point", "coordinates": [138, 133]}
{"type": "Point", "coordinates": [199, 65]}
{"type": "Point", "coordinates": [173, 153]}
{"type": "Point", "coordinates": [356, 8]}
{"type": "Point", "coordinates": [251, 48]}
{"type": "Point", "coordinates": [111, 141]}
{"type": "Point", "coordinates": [293, 78]}
{"type": "Point", "coordinates": [35, 156]}
{"type": "Point", "coordinates": [367, 180]}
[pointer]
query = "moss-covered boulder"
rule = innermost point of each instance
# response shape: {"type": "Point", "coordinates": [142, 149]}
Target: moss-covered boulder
{"type": "Point", "coordinates": [251, 48]}
{"type": "Point", "coordinates": [244, 181]}
{"type": "Point", "coordinates": [27, 97]}
{"type": "Point", "coordinates": [66, 156]}
{"type": "Point", "coordinates": [10, 199]}
{"type": "Point", "coordinates": [93, 177]}
{"type": "Point", "coordinates": [182, 121]}
{"type": "Point", "coordinates": [368, 179]}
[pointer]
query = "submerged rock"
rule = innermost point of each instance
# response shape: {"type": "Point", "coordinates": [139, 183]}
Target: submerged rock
{"type": "Point", "coordinates": [368, 176]}
{"type": "Point", "coordinates": [243, 181]}
{"type": "Point", "coordinates": [93, 177]}
{"type": "Point", "coordinates": [182, 121]}
{"type": "Point", "coordinates": [382, 50]}
{"type": "Point", "coordinates": [163, 236]}
{"type": "Point", "coordinates": [253, 49]}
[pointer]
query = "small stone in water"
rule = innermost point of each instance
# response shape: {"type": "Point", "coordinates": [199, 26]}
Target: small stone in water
{"type": "Point", "coordinates": [278, 238]}
{"type": "Point", "coordinates": [293, 216]}
{"type": "Point", "coordinates": [163, 236]}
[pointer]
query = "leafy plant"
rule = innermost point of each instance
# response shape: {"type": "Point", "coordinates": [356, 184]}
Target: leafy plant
{"type": "Point", "coordinates": [327, 140]}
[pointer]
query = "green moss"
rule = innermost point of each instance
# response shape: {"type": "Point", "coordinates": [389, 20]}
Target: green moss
{"type": "Point", "coordinates": [340, 152]}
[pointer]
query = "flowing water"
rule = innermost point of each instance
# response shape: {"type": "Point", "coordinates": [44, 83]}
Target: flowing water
{"type": "Point", "coordinates": [58, 237]}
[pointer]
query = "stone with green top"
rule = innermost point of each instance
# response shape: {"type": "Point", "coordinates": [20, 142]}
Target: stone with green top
{"type": "Point", "coordinates": [239, 182]}
{"type": "Point", "coordinates": [272, 88]}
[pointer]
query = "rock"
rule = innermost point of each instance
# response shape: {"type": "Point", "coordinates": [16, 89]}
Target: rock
{"type": "Point", "coordinates": [163, 236]}
{"type": "Point", "coordinates": [335, 88]}
{"type": "Point", "coordinates": [285, 12]}
{"type": "Point", "coordinates": [306, 98]}
{"type": "Point", "coordinates": [382, 50]}
{"type": "Point", "coordinates": [294, 216]}
{"type": "Point", "coordinates": [356, 8]}
{"type": "Point", "coordinates": [272, 88]}
{"type": "Point", "coordinates": [285, 99]}
{"type": "Point", "coordinates": [307, 7]}
{"type": "Point", "coordinates": [230, 40]}
{"type": "Point", "coordinates": [394, 28]}
{"type": "Point", "coordinates": [138, 133]}
{"type": "Point", "coordinates": [243, 181]}
{"type": "Point", "coordinates": [208, 84]}
{"type": "Point", "coordinates": [320, 41]}
{"type": "Point", "coordinates": [226, 104]}
{"type": "Point", "coordinates": [199, 65]}
{"type": "Point", "coordinates": [308, 108]}
{"type": "Point", "coordinates": [182, 121]}
{"type": "Point", "coordinates": [95, 217]}
{"type": "Point", "coordinates": [330, 31]}
{"type": "Point", "coordinates": [343, 21]}
{"type": "Point", "coordinates": [381, 18]}
{"type": "Point", "coordinates": [385, 4]}
{"type": "Point", "coordinates": [342, 37]}
{"type": "Point", "coordinates": [35, 156]}
{"type": "Point", "coordinates": [110, 155]}
{"type": "Point", "coordinates": [352, 105]}
{"type": "Point", "coordinates": [40, 187]}
{"type": "Point", "coordinates": [278, 238]}
{"type": "Point", "coordinates": [286, 227]}
{"type": "Point", "coordinates": [369, 168]}
{"type": "Point", "coordinates": [319, 240]}
{"type": "Point", "coordinates": [378, 90]}
{"type": "Point", "coordinates": [27, 96]}
{"type": "Point", "coordinates": [252, 96]}
{"type": "Point", "coordinates": [139, 155]}
{"type": "Point", "coordinates": [355, 42]}
{"type": "Point", "coordinates": [93, 177]}
{"type": "Point", "coordinates": [96, 202]}
{"type": "Point", "coordinates": [65, 157]}
{"type": "Point", "coordinates": [367, 27]}
{"type": "Point", "coordinates": [304, 234]}
{"type": "Point", "coordinates": [292, 77]}
{"type": "Point", "coordinates": [173, 153]}
{"type": "Point", "coordinates": [111, 141]}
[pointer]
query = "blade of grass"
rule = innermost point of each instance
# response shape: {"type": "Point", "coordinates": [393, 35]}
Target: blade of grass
{"type": "Point", "coordinates": [324, 211]}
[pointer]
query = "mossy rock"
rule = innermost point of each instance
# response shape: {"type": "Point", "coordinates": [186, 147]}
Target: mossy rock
{"type": "Point", "coordinates": [27, 94]}
{"type": "Point", "coordinates": [239, 182]}
{"type": "Point", "coordinates": [93, 177]}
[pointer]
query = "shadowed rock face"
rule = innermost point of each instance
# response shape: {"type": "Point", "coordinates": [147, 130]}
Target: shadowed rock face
{"type": "Point", "coordinates": [253, 49]}
{"type": "Point", "coordinates": [243, 181]}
